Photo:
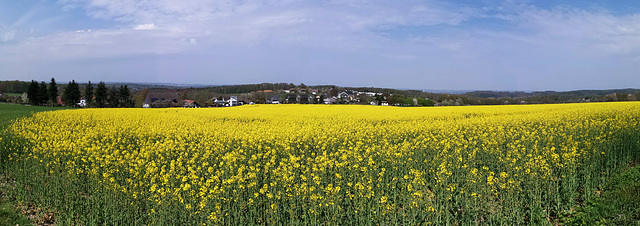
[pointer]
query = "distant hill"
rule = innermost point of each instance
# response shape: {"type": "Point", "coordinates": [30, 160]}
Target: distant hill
{"type": "Point", "coordinates": [499, 94]}
{"type": "Point", "coordinates": [444, 91]}
{"type": "Point", "coordinates": [520, 94]}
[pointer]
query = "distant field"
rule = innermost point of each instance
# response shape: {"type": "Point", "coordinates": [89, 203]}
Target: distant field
{"type": "Point", "coordinates": [319, 164]}
{"type": "Point", "coordinates": [9, 112]}
{"type": "Point", "coordinates": [14, 94]}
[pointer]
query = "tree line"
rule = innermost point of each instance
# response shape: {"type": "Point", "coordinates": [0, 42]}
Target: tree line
{"type": "Point", "coordinates": [101, 96]}
{"type": "Point", "coordinates": [13, 86]}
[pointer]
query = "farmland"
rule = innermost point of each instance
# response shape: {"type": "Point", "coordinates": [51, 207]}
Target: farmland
{"type": "Point", "coordinates": [10, 112]}
{"type": "Point", "coordinates": [309, 164]}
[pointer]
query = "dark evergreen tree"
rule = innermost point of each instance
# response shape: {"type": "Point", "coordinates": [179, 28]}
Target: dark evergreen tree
{"type": "Point", "coordinates": [43, 95]}
{"type": "Point", "coordinates": [113, 98]}
{"type": "Point", "coordinates": [33, 91]}
{"type": "Point", "coordinates": [124, 97]}
{"type": "Point", "coordinates": [71, 95]}
{"type": "Point", "coordinates": [53, 92]}
{"type": "Point", "coordinates": [88, 94]}
{"type": "Point", "coordinates": [101, 95]}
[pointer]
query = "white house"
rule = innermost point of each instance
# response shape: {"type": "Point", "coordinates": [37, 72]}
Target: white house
{"type": "Point", "coordinates": [83, 102]}
{"type": "Point", "coordinates": [347, 95]}
{"type": "Point", "coordinates": [233, 101]}
{"type": "Point", "coordinates": [369, 94]}
{"type": "Point", "coordinates": [343, 94]}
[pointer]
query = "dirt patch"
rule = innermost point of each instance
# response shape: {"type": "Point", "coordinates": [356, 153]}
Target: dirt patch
{"type": "Point", "coordinates": [36, 215]}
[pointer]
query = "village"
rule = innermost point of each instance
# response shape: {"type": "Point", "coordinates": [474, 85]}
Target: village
{"type": "Point", "coordinates": [286, 96]}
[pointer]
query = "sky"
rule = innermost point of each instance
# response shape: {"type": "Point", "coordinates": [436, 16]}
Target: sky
{"type": "Point", "coordinates": [409, 44]}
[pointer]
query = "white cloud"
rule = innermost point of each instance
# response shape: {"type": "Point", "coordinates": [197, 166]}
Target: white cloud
{"type": "Point", "coordinates": [192, 41]}
{"type": "Point", "coordinates": [584, 30]}
{"type": "Point", "coordinates": [8, 36]}
{"type": "Point", "coordinates": [145, 27]}
{"type": "Point", "coordinates": [107, 43]}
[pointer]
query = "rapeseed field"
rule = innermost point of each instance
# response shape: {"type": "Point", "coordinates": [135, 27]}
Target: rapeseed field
{"type": "Point", "coordinates": [318, 164]}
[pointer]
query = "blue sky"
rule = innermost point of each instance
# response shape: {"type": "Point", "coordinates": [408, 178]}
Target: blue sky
{"type": "Point", "coordinates": [417, 44]}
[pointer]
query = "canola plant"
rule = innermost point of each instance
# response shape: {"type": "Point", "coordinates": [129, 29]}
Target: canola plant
{"type": "Point", "coordinates": [313, 164]}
